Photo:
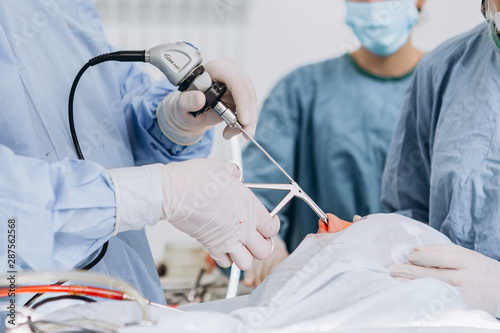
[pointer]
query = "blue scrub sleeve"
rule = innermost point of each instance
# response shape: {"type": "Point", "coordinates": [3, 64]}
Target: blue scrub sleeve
{"type": "Point", "coordinates": [63, 211]}
{"type": "Point", "coordinates": [406, 177]}
{"type": "Point", "coordinates": [277, 134]}
{"type": "Point", "coordinates": [149, 145]}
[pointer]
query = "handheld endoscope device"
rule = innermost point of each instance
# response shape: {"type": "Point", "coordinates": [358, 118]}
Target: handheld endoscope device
{"type": "Point", "coordinates": [180, 62]}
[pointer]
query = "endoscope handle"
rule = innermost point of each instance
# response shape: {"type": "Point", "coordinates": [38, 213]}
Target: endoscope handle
{"type": "Point", "coordinates": [181, 62]}
{"type": "Point", "coordinates": [175, 60]}
{"type": "Point", "coordinates": [212, 97]}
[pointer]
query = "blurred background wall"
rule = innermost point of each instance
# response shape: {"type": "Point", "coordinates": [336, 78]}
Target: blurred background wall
{"type": "Point", "coordinates": [266, 38]}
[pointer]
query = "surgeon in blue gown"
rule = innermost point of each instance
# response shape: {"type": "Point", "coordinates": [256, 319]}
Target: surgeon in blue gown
{"type": "Point", "coordinates": [136, 172]}
{"type": "Point", "coordinates": [329, 125]}
{"type": "Point", "coordinates": [443, 166]}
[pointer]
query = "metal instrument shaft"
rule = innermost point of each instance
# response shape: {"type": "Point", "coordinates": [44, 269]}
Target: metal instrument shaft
{"type": "Point", "coordinates": [238, 126]}
{"type": "Point", "coordinates": [300, 192]}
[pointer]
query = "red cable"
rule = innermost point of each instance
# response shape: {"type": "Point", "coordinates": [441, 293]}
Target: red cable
{"type": "Point", "coordinates": [71, 290]}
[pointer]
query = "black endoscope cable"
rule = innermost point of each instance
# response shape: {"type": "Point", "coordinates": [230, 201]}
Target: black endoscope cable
{"type": "Point", "coordinates": [62, 297]}
{"type": "Point", "coordinates": [122, 56]}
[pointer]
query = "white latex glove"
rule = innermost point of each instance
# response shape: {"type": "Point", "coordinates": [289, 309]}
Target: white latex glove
{"type": "Point", "coordinates": [203, 198]}
{"type": "Point", "coordinates": [179, 125]}
{"type": "Point", "coordinates": [476, 276]}
{"type": "Point", "coordinates": [262, 268]}
{"type": "Point", "coordinates": [358, 218]}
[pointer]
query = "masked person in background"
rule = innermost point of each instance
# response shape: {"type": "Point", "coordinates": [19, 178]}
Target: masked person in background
{"type": "Point", "coordinates": [443, 166]}
{"type": "Point", "coordinates": [67, 209]}
{"type": "Point", "coordinates": [329, 124]}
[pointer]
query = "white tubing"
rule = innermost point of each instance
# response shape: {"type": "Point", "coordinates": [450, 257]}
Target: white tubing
{"type": "Point", "coordinates": [234, 277]}
{"type": "Point", "coordinates": [234, 280]}
{"type": "Point", "coordinates": [236, 151]}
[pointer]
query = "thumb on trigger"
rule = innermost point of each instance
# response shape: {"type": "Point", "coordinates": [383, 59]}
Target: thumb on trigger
{"type": "Point", "coordinates": [191, 101]}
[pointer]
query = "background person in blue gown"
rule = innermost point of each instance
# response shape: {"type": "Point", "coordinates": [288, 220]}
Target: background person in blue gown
{"type": "Point", "coordinates": [443, 166]}
{"type": "Point", "coordinates": [329, 125]}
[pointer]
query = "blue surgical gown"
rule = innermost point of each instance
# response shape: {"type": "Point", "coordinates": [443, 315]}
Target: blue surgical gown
{"type": "Point", "coordinates": [65, 208]}
{"type": "Point", "coordinates": [443, 166]}
{"type": "Point", "coordinates": [329, 126]}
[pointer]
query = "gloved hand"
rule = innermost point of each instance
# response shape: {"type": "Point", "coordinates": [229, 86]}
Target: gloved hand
{"type": "Point", "coordinates": [203, 198]}
{"type": "Point", "coordinates": [180, 126]}
{"type": "Point", "coordinates": [476, 276]}
{"type": "Point", "coordinates": [358, 218]}
{"type": "Point", "coordinates": [262, 268]}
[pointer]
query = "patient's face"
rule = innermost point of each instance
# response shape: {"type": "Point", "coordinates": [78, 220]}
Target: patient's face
{"type": "Point", "coordinates": [334, 225]}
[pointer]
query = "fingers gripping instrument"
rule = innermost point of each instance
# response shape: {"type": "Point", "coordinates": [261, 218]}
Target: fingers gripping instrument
{"type": "Point", "coordinates": [181, 63]}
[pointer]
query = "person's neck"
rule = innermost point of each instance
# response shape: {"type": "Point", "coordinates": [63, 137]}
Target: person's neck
{"type": "Point", "coordinates": [396, 65]}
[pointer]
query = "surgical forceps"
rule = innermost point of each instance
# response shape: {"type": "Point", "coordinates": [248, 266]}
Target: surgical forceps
{"type": "Point", "coordinates": [294, 190]}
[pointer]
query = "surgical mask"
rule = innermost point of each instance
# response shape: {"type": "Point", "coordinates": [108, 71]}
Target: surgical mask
{"type": "Point", "coordinates": [382, 27]}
